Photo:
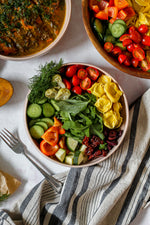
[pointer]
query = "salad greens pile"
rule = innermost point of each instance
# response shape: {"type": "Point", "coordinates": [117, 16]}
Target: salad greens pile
{"type": "Point", "coordinates": [80, 117]}
{"type": "Point", "coordinates": [39, 83]}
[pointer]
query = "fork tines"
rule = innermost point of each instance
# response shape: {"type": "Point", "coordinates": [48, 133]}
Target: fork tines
{"type": "Point", "coordinates": [8, 138]}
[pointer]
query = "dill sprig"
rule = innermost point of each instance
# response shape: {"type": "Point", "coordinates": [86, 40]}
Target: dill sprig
{"type": "Point", "coordinates": [3, 197]}
{"type": "Point", "coordinates": [39, 83]}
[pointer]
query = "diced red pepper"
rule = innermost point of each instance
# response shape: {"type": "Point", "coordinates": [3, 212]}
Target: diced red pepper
{"type": "Point", "coordinates": [48, 149]}
{"type": "Point", "coordinates": [112, 12]}
{"type": "Point", "coordinates": [121, 4]}
{"type": "Point", "coordinates": [103, 14]}
{"type": "Point", "coordinates": [103, 4]}
{"type": "Point", "coordinates": [129, 11]}
{"type": "Point", "coordinates": [122, 14]}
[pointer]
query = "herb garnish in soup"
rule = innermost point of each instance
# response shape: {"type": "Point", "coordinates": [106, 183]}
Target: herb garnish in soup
{"type": "Point", "coordinates": [27, 26]}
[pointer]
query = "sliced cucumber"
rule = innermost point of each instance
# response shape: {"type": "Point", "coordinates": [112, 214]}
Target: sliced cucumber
{"type": "Point", "coordinates": [34, 111]}
{"type": "Point", "coordinates": [69, 159]}
{"type": "Point", "coordinates": [60, 154]}
{"type": "Point", "coordinates": [48, 110]}
{"type": "Point", "coordinates": [120, 22]}
{"type": "Point", "coordinates": [110, 26]}
{"type": "Point", "coordinates": [42, 124]}
{"type": "Point", "coordinates": [117, 30]}
{"type": "Point", "coordinates": [48, 121]}
{"type": "Point", "coordinates": [78, 157]}
{"type": "Point", "coordinates": [71, 143]}
{"type": "Point", "coordinates": [53, 102]}
{"type": "Point", "coordinates": [109, 38]}
{"type": "Point", "coordinates": [42, 101]}
{"type": "Point", "coordinates": [98, 27]}
{"type": "Point", "coordinates": [33, 121]}
{"type": "Point", "coordinates": [36, 131]}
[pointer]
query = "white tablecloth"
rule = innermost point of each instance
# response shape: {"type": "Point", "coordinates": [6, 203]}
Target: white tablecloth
{"type": "Point", "coordinates": [75, 46]}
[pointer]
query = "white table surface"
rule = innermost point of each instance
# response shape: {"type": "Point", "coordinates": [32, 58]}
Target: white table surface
{"type": "Point", "coordinates": [75, 46]}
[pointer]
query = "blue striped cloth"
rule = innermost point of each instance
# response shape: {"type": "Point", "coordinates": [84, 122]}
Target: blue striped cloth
{"type": "Point", "coordinates": [111, 193]}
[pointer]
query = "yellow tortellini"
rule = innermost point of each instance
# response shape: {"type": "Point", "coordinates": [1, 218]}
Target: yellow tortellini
{"type": "Point", "coordinates": [108, 96]}
{"type": "Point", "coordinates": [103, 104]}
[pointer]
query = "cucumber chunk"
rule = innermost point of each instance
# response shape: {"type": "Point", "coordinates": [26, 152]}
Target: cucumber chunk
{"type": "Point", "coordinates": [53, 102]}
{"type": "Point", "coordinates": [34, 111]}
{"type": "Point", "coordinates": [48, 121]}
{"type": "Point", "coordinates": [69, 159]}
{"type": "Point", "coordinates": [78, 157]}
{"type": "Point", "coordinates": [60, 154]}
{"type": "Point", "coordinates": [42, 101]}
{"type": "Point", "coordinates": [82, 148]}
{"type": "Point", "coordinates": [71, 143]}
{"type": "Point", "coordinates": [48, 110]}
{"type": "Point", "coordinates": [117, 30]}
{"type": "Point", "coordinates": [36, 131]}
{"type": "Point", "coordinates": [42, 124]}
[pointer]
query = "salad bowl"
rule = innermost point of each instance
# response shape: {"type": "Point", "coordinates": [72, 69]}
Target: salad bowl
{"type": "Point", "coordinates": [72, 108]}
{"type": "Point", "coordinates": [99, 43]}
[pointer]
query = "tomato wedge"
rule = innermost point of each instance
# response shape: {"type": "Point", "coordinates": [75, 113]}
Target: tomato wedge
{"type": "Point", "coordinates": [82, 74]}
{"type": "Point", "coordinates": [121, 4]}
{"type": "Point", "coordinates": [48, 149]}
{"type": "Point", "coordinates": [93, 73]}
{"type": "Point", "coordinates": [86, 83]}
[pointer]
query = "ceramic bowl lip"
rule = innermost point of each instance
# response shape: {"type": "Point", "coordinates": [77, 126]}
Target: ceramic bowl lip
{"type": "Point", "coordinates": [98, 160]}
{"type": "Point", "coordinates": [129, 70]}
{"type": "Point", "coordinates": [49, 47]}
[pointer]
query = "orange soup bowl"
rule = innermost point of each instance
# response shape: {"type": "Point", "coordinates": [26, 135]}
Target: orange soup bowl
{"type": "Point", "coordinates": [36, 37]}
{"type": "Point", "coordinates": [102, 80]}
{"type": "Point", "coordinates": [86, 12]}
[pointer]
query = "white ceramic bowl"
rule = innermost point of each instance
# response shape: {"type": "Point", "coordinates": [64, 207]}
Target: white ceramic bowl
{"type": "Point", "coordinates": [123, 127]}
{"type": "Point", "coordinates": [51, 45]}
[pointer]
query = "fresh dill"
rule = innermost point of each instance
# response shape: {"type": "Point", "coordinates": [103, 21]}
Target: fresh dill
{"type": "Point", "coordinates": [3, 197]}
{"type": "Point", "coordinates": [39, 83]}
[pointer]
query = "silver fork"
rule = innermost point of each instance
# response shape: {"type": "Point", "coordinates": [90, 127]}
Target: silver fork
{"type": "Point", "coordinates": [18, 147]}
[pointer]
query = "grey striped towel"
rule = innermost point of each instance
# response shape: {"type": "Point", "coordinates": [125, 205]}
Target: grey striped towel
{"type": "Point", "coordinates": [111, 193]}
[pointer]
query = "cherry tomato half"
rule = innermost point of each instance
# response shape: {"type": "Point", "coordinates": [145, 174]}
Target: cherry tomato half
{"type": "Point", "coordinates": [130, 47]}
{"type": "Point", "coordinates": [82, 74]}
{"type": "Point", "coordinates": [122, 58]}
{"type": "Point", "coordinates": [67, 84]}
{"type": "Point", "coordinates": [143, 28]}
{"type": "Point", "coordinates": [86, 83]}
{"type": "Point", "coordinates": [136, 36]}
{"type": "Point", "coordinates": [134, 62]}
{"type": "Point", "coordinates": [75, 80]}
{"type": "Point", "coordinates": [108, 46]}
{"type": "Point", "coordinates": [71, 70]}
{"type": "Point", "coordinates": [127, 62]}
{"type": "Point", "coordinates": [132, 29]}
{"type": "Point", "coordinates": [126, 42]}
{"type": "Point", "coordinates": [93, 73]}
{"type": "Point", "coordinates": [124, 37]}
{"type": "Point", "coordinates": [138, 53]}
{"type": "Point", "coordinates": [77, 90]}
{"type": "Point", "coordinates": [145, 65]}
{"type": "Point", "coordinates": [116, 50]}
{"type": "Point", "coordinates": [146, 40]}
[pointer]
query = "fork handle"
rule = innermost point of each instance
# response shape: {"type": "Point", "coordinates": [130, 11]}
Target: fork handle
{"type": "Point", "coordinates": [56, 184]}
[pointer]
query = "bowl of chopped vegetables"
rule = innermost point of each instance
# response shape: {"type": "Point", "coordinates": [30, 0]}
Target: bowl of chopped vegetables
{"type": "Point", "coordinates": [120, 31]}
{"type": "Point", "coordinates": [32, 28]}
{"type": "Point", "coordinates": [75, 114]}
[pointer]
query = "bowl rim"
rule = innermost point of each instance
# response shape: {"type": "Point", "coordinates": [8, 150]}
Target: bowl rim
{"type": "Point", "coordinates": [129, 70]}
{"type": "Point", "coordinates": [51, 45]}
{"type": "Point", "coordinates": [95, 161]}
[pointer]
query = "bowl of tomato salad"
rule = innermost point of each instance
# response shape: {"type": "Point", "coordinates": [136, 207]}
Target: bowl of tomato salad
{"type": "Point", "coordinates": [75, 114]}
{"type": "Point", "coordinates": [120, 34]}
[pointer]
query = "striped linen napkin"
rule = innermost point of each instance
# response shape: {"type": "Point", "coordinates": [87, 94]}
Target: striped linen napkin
{"type": "Point", "coordinates": [111, 193]}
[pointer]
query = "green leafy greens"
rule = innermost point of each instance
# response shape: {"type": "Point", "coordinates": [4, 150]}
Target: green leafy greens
{"type": "Point", "coordinates": [3, 197]}
{"type": "Point", "coordinates": [39, 83]}
{"type": "Point", "coordinates": [80, 117]}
